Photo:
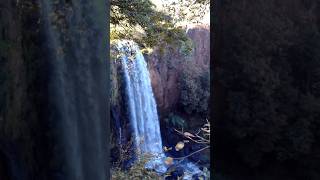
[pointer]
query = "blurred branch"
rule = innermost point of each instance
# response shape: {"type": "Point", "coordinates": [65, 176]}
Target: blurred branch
{"type": "Point", "coordinates": [203, 138]}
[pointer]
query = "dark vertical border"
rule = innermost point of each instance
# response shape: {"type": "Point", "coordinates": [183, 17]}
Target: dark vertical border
{"type": "Point", "coordinates": [105, 45]}
{"type": "Point", "coordinates": [215, 29]}
{"type": "Point", "coordinates": [107, 38]}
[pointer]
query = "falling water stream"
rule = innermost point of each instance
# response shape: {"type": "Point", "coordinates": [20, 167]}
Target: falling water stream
{"type": "Point", "coordinates": [141, 104]}
{"type": "Point", "coordinates": [143, 108]}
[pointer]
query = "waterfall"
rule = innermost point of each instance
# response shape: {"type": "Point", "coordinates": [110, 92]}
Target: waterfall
{"type": "Point", "coordinates": [141, 103]}
{"type": "Point", "coordinates": [142, 107]}
{"type": "Point", "coordinates": [77, 86]}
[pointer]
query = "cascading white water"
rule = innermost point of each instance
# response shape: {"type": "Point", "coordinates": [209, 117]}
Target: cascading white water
{"type": "Point", "coordinates": [142, 107]}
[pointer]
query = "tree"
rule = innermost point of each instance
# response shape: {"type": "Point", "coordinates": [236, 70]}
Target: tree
{"type": "Point", "coordinates": [140, 21]}
{"type": "Point", "coordinates": [194, 83]}
{"type": "Point", "coordinates": [187, 10]}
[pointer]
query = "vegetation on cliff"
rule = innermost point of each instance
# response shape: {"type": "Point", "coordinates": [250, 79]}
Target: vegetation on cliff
{"type": "Point", "coordinates": [142, 22]}
{"type": "Point", "coordinates": [194, 84]}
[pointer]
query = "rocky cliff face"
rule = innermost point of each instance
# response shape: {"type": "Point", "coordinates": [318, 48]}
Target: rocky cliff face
{"type": "Point", "coordinates": [165, 69]}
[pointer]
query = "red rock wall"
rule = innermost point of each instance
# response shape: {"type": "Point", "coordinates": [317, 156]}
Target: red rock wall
{"type": "Point", "coordinates": [165, 68]}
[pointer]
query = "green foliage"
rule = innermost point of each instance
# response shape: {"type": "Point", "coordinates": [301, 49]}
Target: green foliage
{"type": "Point", "coordinates": [139, 20]}
{"type": "Point", "coordinates": [186, 47]}
{"type": "Point", "coordinates": [176, 121]}
{"type": "Point", "coordinates": [187, 10]}
{"type": "Point", "coordinates": [137, 171]}
{"type": "Point", "coordinates": [195, 89]}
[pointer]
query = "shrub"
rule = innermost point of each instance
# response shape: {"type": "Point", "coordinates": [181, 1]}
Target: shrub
{"type": "Point", "coordinates": [175, 121]}
{"type": "Point", "coordinates": [137, 171]}
{"type": "Point", "coordinates": [195, 89]}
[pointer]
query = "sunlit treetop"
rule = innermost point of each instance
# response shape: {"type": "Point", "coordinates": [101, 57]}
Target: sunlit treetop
{"type": "Point", "coordinates": [141, 21]}
{"type": "Point", "coordinates": [186, 11]}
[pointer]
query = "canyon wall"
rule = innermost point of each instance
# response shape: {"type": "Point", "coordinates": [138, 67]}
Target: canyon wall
{"type": "Point", "coordinates": [165, 68]}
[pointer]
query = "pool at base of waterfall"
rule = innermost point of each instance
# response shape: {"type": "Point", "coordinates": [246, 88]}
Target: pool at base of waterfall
{"type": "Point", "coordinates": [189, 169]}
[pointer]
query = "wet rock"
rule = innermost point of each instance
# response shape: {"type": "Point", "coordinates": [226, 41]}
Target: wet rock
{"type": "Point", "coordinates": [198, 177]}
{"type": "Point", "coordinates": [175, 173]}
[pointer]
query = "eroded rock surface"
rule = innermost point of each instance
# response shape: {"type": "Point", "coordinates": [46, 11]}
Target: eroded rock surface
{"type": "Point", "coordinates": [165, 68]}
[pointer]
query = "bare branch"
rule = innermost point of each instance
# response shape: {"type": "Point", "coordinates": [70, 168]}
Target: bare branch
{"type": "Point", "coordinates": [193, 153]}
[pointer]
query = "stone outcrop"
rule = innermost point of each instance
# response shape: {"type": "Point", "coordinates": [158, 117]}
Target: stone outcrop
{"type": "Point", "coordinates": [200, 36]}
{"type": "Point", "coordinates": [165, 68]}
